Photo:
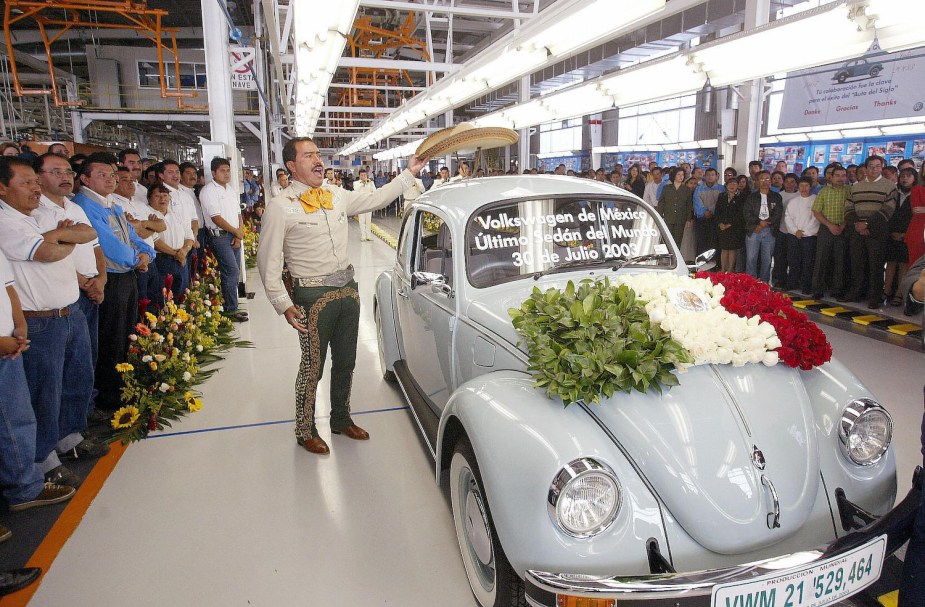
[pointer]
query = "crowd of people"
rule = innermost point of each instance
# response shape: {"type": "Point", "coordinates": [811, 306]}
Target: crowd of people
{"type": "Point", "coordinates": [87, 245]}
{"type": "Point", "coordinates": [849, 233]}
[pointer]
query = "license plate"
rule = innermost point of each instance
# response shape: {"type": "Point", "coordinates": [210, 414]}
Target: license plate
{"type": "Point", "coordinates": [823, 583]}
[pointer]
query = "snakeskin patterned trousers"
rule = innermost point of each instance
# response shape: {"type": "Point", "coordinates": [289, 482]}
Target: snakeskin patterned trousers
{"type": "Point", "coordinates": [332, 317]}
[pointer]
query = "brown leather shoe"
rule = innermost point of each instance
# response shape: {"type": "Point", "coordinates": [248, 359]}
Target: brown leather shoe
{"type": "Point", "coordinates": [353, 431]}
{"type": "Point", "coordinates": [314, 444]}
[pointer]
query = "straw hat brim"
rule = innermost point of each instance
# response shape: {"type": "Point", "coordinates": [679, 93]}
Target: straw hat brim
{"type": "Point", "coordinates": [465, 142]}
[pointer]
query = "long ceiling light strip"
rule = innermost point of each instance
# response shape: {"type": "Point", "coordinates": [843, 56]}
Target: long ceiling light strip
{"type": "Point", "coordinates": [731, 60]}
{"type": "Point", "coordinates": [548, 38]}
{"type": "Point", "coordinates": [320, 31]}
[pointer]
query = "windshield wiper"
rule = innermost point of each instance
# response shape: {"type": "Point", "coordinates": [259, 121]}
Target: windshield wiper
{"type": "Point", "coordinates": [568, 264]}
{"type": "Point", "coordinates": [647, 257]}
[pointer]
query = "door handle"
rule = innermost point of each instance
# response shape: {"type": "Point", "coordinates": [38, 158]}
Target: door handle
{"type": "Point", "coordinates": [403, 292]}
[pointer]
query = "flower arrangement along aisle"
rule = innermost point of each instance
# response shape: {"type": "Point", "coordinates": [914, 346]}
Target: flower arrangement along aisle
{"type": "Point", "coordinates": [803, 344]}
{"type": "Point", "coordinates": [251, 241]}
{"type": "Point", "coordinates": [166, 358]}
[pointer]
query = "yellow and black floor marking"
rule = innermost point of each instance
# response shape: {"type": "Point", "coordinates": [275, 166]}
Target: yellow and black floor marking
{"type": "Point", "coordinates": [870, 320]}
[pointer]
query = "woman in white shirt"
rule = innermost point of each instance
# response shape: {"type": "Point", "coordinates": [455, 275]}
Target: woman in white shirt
{"type": "Point", "coordinates": [801, 227]}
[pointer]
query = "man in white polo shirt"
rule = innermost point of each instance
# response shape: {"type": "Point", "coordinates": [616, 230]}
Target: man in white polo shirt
{"type": "Point", "coordinates": [174, 243]}
{"type": "Point", "coordinates": [222, 213]}
{"type": "Point", "coordinates": [58, 364]}
{"type": "Point", "coordinates": [147, 225]}
{"type": "Point", "coordinates": [20, 478]}
{"type": "Point", "coordinates": [57, 181]}
{"type": "Point", "coordinates": [181, 204]}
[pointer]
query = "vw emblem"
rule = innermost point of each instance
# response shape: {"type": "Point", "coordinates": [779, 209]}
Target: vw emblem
{"type": "Point", "coordinates": [758, 457]}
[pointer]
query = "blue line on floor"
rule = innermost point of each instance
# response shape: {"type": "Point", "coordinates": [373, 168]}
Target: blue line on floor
{"type": "Point", "coordinates": [256, 425]}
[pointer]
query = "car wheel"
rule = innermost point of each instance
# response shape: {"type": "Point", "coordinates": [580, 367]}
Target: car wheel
{"type": "Point", "coordinates": [875, 72]}
{"type": "Point", "coordinates": [491, 577]}
{"type": "Point", "coordinates": [841, 78]}
{"type": "Point", "coordinates": [387, 375]}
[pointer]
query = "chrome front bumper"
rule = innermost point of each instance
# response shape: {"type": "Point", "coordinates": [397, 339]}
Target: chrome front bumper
{"type": "Point", "coordinates": [695, 589]}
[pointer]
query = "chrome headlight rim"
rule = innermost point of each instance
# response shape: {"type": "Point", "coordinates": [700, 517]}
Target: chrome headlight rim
{"type": "Point", "coordinates": [854, 411]}
{"type": "Point", "coordinates": [576, 469]}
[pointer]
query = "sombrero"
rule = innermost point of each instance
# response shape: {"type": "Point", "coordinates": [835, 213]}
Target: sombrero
{"type": "Point", "coordinates": [465, 139]}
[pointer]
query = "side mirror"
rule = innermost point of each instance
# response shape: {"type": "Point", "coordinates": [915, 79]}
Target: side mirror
{"type": "Point", "coordinates": [703, 261]}
{"type": "Point", "coordinates": [426, 278]}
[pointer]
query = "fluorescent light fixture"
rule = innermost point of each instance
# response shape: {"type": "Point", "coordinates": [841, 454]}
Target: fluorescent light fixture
{"type": "Point", "coordinates": [511, 64]}
{"type": "Point", "coordinates": [653, 80]}
{"type": "Point", "coordinates": [862, 132]}
{"type": "Point", "coordinates": [594, 20]}
{"type": "Point", "coordinates": [736, 58]}
{"type": "Point", "coordinates": [904, 129]}
{"type": "Point", "coordinates": [527, 114]}
{"type": "Point", "coordinates": [769, 139]}
{"type": "Point", "coordinates": [577, 102]}
{"type": "Point", "coordinates": [818, 135]}
{"type": "Point", "coordinates": [793, 137]}
{"type": "Point", "coordinates": [707, 143]}
{"type": "Point", "coordinates": [895, 21]}
{"type": "Point", "coordinates": [320, 31]}
{"type": "Point", "coordinates": [494, 119]}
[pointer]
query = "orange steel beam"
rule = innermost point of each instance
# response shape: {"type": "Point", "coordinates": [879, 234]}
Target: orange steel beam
{"type": "Point", "coordinates": [140, 18]}
{"type": "Point", "coordinates": [362, 41]}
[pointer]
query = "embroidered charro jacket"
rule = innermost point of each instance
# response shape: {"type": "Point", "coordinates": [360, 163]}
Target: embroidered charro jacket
{"type": "Point", "coordinates": [312, 244]}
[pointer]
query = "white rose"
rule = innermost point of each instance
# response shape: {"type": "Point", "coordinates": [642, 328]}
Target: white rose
{"type": "Point", "coordinates": [770, 359]}
{"type": "Point", "coordinates": [164, 387]}
{"type": "Point", "coordinates": [187, 376]}
{"type": "Point", "coordinates": [199, 348]}
{"type": "Point", "coordinates": [146, 358]}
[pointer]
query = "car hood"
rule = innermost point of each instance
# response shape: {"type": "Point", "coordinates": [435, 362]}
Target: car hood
{"type": "Point", "coordinates": [701, 444]}
{"type": "Point", "coordinates": [713, 448]}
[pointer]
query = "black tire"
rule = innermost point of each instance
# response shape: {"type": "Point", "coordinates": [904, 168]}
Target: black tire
{"type": "Point", "coordinates": [387, 375]}
{"type": "Point", "coordinates": [841, 78]}
{"type": "Point", "coordinates": [493, 581]}
{"type": "Point", "coordinates": [875, 72]}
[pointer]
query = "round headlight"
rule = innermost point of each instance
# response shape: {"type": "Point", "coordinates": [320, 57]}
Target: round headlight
{"type": "Point", "coordinates": [584, 498]}
{"type": "Point", "coordinates": [865, 431]}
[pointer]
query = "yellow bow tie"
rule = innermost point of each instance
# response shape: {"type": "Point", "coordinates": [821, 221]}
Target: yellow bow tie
{"type": "Point", "coordinates": [316, 198]}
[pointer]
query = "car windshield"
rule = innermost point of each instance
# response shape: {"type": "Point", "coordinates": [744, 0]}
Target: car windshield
{"type": "Point", "coordinates": [511, 240]}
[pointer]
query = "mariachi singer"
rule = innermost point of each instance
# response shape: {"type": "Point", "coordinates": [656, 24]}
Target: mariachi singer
{"type": "Point", "coordinates": [304, 229]}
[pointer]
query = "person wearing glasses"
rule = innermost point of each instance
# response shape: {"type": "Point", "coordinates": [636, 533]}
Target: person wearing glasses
{"type": "Point", "coordinates": [126, 253]}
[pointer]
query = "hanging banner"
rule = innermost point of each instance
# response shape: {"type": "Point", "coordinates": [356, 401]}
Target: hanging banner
{"type": "Point", "coordinates": [242, 78]}
{"type": "Point", "coordinates": [873, 87]}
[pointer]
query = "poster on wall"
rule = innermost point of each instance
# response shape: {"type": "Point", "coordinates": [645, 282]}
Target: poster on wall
{"type": "Point", "coordinates": [819, 154]}
{"type": "Point", "coordinates": [875, 86]}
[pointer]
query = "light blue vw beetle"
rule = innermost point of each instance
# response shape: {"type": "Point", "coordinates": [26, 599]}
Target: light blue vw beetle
{"type": "Point", "coordinates": [743, 486]}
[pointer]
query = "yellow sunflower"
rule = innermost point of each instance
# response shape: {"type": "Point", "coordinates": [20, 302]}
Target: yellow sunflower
{"type": "Point", "coordinates": [192, 403]}
{"type": "Point", "coordinates": [125, 417]}
{"type": "Point", "coordinates": [124, 367]}
{"type": "Point", "coordinates": [151, 318]}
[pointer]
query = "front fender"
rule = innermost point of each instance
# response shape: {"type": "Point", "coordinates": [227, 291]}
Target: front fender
{"type": "Point", "coordinates": [384, 306]}
{"type": "Point", "coordinates": [521, 439]}
{"type": "Point", "coordinates": [831, 387]}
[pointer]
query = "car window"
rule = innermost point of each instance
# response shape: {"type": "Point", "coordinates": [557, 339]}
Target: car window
{"type": "Point", "coordinates": [405, 237]}
{"type": "Point", "coordinates": [509, 240]}
{"type": "Point", "coordinates": [436, 247]}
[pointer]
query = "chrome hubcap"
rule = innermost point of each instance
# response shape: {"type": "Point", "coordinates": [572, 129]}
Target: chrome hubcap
{"type": "Point", "coordinates": [476, 529]}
